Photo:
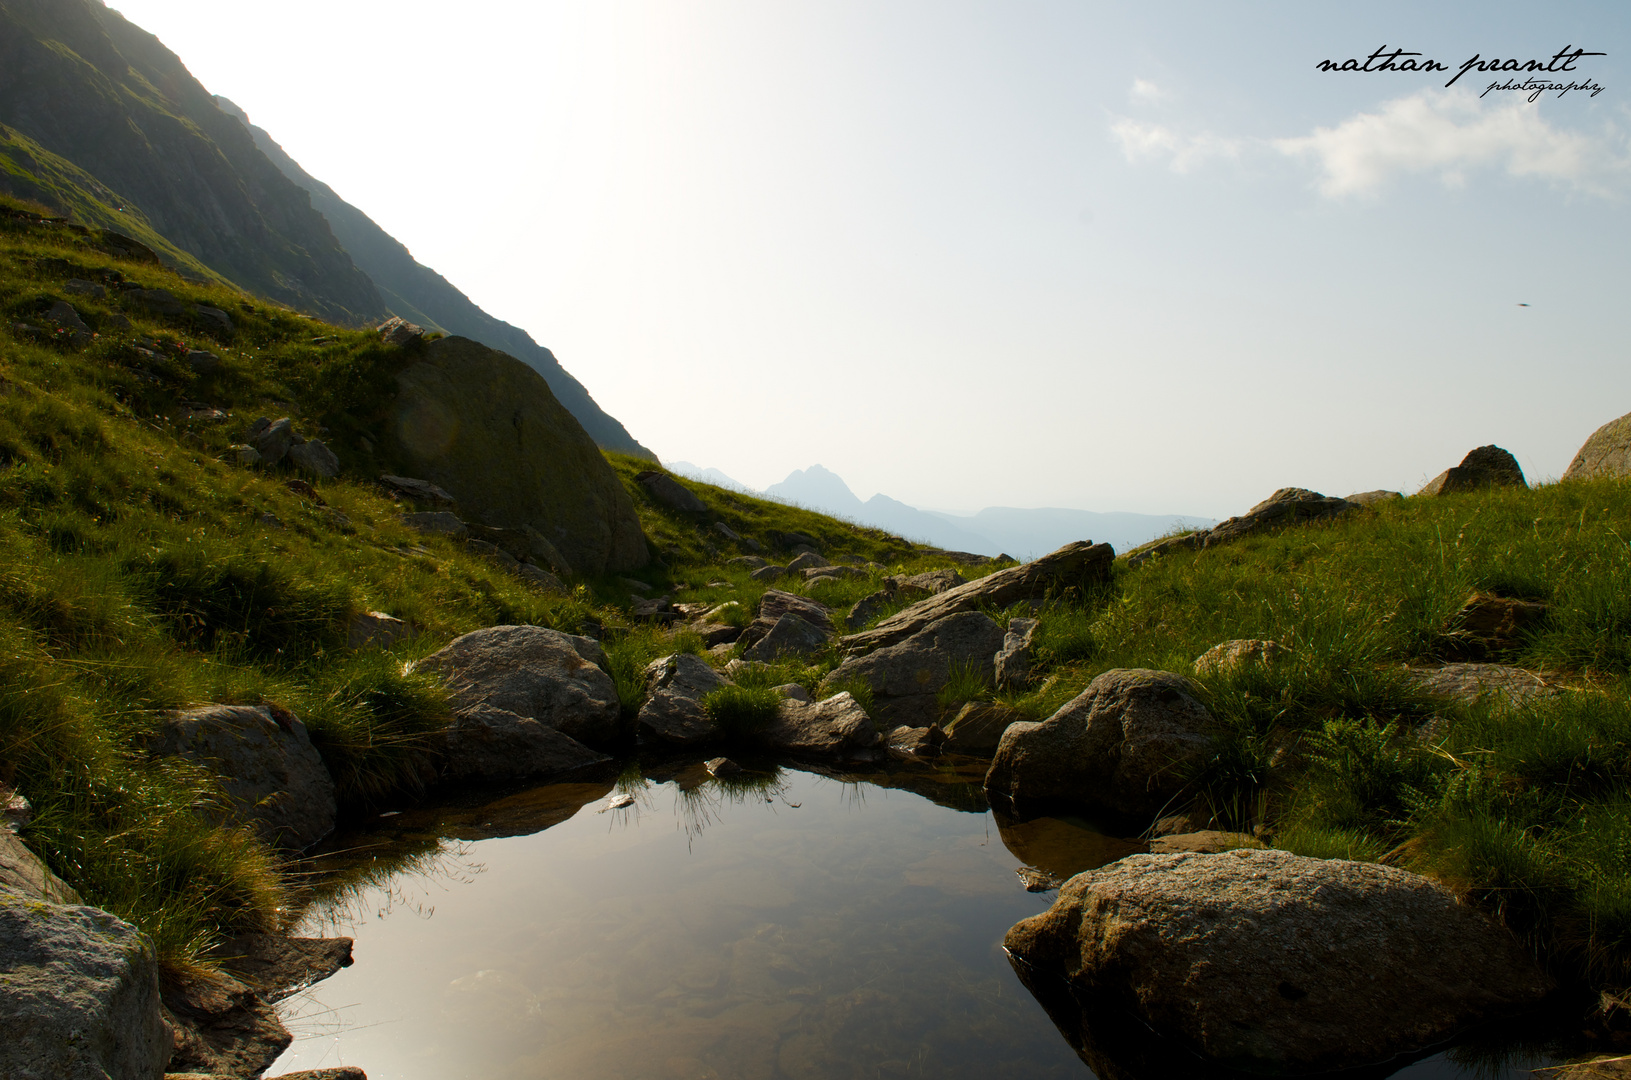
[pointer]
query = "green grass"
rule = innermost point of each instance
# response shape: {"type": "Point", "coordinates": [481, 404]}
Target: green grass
{"type": "Point", "coordinates": [741, 710]}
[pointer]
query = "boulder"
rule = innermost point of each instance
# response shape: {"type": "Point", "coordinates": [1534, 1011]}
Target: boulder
{"type": "Point", "coordinates": [835, 726]}
{"type": "Point", "coordinates": [931, 582]}
{"type": "Point", "coordinates": [423, 490]}
{"type": "Point", "coordinates": [1470, 682]}
{"type": "Point", "coordinates": [23, 874]}
{"type": "Point", "coordinates": [63, 314]}
{"type": "Point", "coordinates": [535, 673]}
{"type": "Point", "coordinates": [907, 677]}
{"type": "Point", "coordinates": [978, 727]}
{"type": "Point", "coordinates": [437, 522]}
{"type": "Point", "coordinates": [315, 457]}
{"type": "Point", "coordinates": [273, 439]}
{"type": "Point", "coordinates": [775, 603]}
{"type": "Point", "coordinates": [1077, 564]}
{"type": "Point", "coordinates": [1013, 660]}
{"type": "Point", "coordinates": [399, 331]}
{"type": "Point", "coordinates": [375, 629]}
{"type": "Point", "coordinates": [214, 319]}
{"type": "Point", "coordinates": [727, 532]}
{"type": "Point", "coordinates": [1224, 658]}
{"type": "Point", "coordinates": [543, 579]}
{"type": "Point", "coordinates": [1374, 498]}
{"type": "Point", "coordinates": [1487, 625]}
{"type": "Point", "coordinates": [675, 686]}
{"type": "Point", "coordinates": [485, 427]}
{"type": "Point", "coordinates": [488, 743]}
{"type": "Point", "coordinates": [158, 301]}
{"type": "Point", "coordinates": [81, 287]}
{"type": "Point", "coordinates": [270, 773]}
{"type": "Point", "coordinates": [1204, 841]}
{"type": "Point", "coordinates": [1267, 961]}
{"type": "Point", "coordinates": [793, 690]}
{"type": "Point", "coordinates": [867, 608]}
{"type": "Point", "coordinates": [202, 361]}
{"type": "Point", "coordinates": [807, 561]}
{"type": "Point", "coordinates": [789, 636]}
{"type": "Point", "coordinates": [79, 997]}
{"type": "Point", "coordinates": [1487, 466]}
{"type": "Point", "coordinates": [1288, 506]}
{"type": "Point", "coordinates": [768, 572]}
{"type": "Point", "coordinates": [1127, 744]}
{"type": "Point", "coordinates": [1606, 453]}
{"type": "Point", "coordinates": [667, 491]}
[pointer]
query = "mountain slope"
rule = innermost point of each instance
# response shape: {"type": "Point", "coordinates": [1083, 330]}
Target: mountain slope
{"type": "Point", "coordinates": [88, 86]}
{"type": "Point", "coordinates": [419, 294]}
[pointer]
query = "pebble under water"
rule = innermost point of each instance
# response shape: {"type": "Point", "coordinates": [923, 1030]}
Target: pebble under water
{"type": "Point", "coordinates": [782, 924]}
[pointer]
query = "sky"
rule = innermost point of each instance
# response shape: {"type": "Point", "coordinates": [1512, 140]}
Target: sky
{"type": "Point", "coordinates": [1111, 256]}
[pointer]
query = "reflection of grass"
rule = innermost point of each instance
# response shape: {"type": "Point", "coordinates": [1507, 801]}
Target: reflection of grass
{"type": "Point", "coordinates": [388, 875]}
{"type": "Point", "coordinates": [702, 806]}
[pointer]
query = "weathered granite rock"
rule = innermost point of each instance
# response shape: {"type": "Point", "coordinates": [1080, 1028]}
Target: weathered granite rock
{"type": "Point", "coordinates": [276, 967]}
{"type": "Point", "coordinates": [675, 686]}
{"type": "Point", "coordinates": [713, 633]}
{"type": "Point", "coordinates": [437, 522]}
{"type": "Point", "coordinates": [543, 579]}
{"type": "Point", "coordinates": [1486, 466]}
{"type": "Point", "coordinates": [793, 690]}
{"type": "Point", "coordinates": [1470, 682]}
{"type": "Point", "coordinates": [776, 603]}
{"type": "Point", "coordinates": [63, 314]}
{"type": "Point", "coordinates": [314, 457]}
{"type": "Point", "coordinates": [906, 677]}
{"type": "Point", "coordinates": [375, 629]}
{"type": "Point", "coordinates": [486, 742]}
{"type": "Point", "coordinates": [1288, 506]}
{"type": "Point", "coordinates": [727, 532]}
{"type": "Point", "coordinates": [1126, 743]}
{"type": "Point", "coordinates": [485, 427]}
{"type": "Point", "coordinates": [1224, 658]}
{"type": "Point", "coordinates": [667, 491]}
{"type": "Point", "coordinates": [835, 726]}
{"type": "Point", "coordinates": [222, 1026]}
{"type": "Point", "coordinates": [535, 673]}
{"type": "Point", "coordinates": [768, 572]}
{"type": "Point", "coordinates": [399, 331]}
{"type": "Point", "coordinates": [24, 874]}
{"type": "Point", "coordinates": [81, 287]}
{"type": "Point", "coordinates": [79, 995]}
{"type": "Point", "coordinates": [1487, 626]}
{"type": "Point", "coordinates": [1203, 842]}
{"type": "Point", "coordinates": [932, 582]}
{"type": "Point", "coordinates": [1374, 498]}
{"type": "Point", "coordinates": [1606, 453]}
{"type": "Point", "coordinates": [1268, 961]}
{"type": "Point", "coordinates": [978, 727]}
{"type": "Point", "coordinates": [214, 319]}
{"type": "Point", "coordinates": [918, 741]}
{"type": "Point", "coordinates": [1013, 660]}
{"type": "Point", "coordinates": [423, 490]}
{"type": "Point", "coordinates": [1077, 564]}
{"type": "Point", "coordinates": [270, 772]}
{"type": "Point", "coordinates": [868, 607]}
{"type": "Point", "coordinates": [808, 560]}
{"type": "Point", "coordinates": [273, 440]}
{"type": "Point", "coordinates": [789, 636]}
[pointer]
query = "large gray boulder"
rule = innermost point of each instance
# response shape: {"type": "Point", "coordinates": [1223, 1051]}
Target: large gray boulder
{"type": "Point", "coordinates": [79, 995]}
{"type": "Point", "coordinates": [271, 774]}
{"type": "Point", "coordinates": [836, 726]}
{"type": "Point", "coordinates": [1606, 453]}
{"type": "Point", "coordinates": [907, 677]}
{"type": "Point", "coordinates": [485, 742]}
{"type": "Point", "coordinates": [1127, 744]}
{"type": "Point", "coordinates": [675, 687]}
{"type": "Point", "coordinates": [1486, 466]}
{"type": "Point", "coordinates": [537, 674]}
{"type": "Point", "coordinates": [1269, 961]}
{"type": "Point", "coordinates": [1082, 563]}
{"type": "Point", "coordinates": [789, 636]}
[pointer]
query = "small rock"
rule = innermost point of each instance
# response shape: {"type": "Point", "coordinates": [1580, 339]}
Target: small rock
{"type": "Point", "coordinates": [15, 811]}
{"type": "Point", "coordinates": [437, 522]}
{"type": "Point", "coordinates": [806, 561]}
{"type": "Point", "coordinates": [932, 582]}
{"type": "Point", "coordinates": [867, 608]}
{"type": "Point", "coordinates": [201, 361]}
{"type": "Point", "coordinates": [344, 1072]}
{"type": "Point", "coordinates": [723, 766]}
{"type": "Point", "coordinates": [423, 490]}
{"type": "Point", "coordinates": [1036, 880]}
{"type": "Point", "coordinates": [1488, 625]}
{"type": "Point", "coordinates": [716, 633]}
{"type": "Point", "coordinates": [776, 603]}
{"type": "Point", "coordinates": [616, 802]}
{"type": "Point", "coordinates": [23, 874]}
{"type": "Point", "coordinates": [978, 727]}
{"type": "Point", "coordinates": [399, 331]}
{"type": "Point", "coordinates": [752, 562]}
{"type": "Point", "coordinates": [1470, 682]}
{"type": "Point", "coordinates": [768, 573]}
{"type": "Point", "coordinates": [790, 636]}
{"type": "Point", "coordinates": [537, 575]}
{"type": "Point", "coordinates": [273, 440]}
{"type": "Point", "coordinates": [1288, 506]}
{"type": "Point", "coordinates": [316, 458]}
{"type": "Point", "coordinates": [1013, 660]}
{"type": "Point", "coordinates": [1487, 466]}
{"type": "Point", "coordinates": [675, 686]}
{"type": "Point", "coordinates": [727, 532]}
{"type": "Point", "coordinates": [270, 520]}
{"type": "Point", "coordinates": [214, 319]}
{"type": "Point", "coordinates": [493, 553]}
{"type": "Point", "coordinates": [916, 740]}
{"type": "Point", "coordinates": [81, 287]}
{"type": "Point", "coordinates": [376, 629]}
{"type": "Point", "coordinates": [117, 322]}
{"type": "Point", "coordinates": [1374, 498]}
{"type": "Point", "coordinates": [634, 586]}
{"type": "Point", "coordinates": [158, 301]}
{"type": "Point", "coordinates": [669, 492]}
{"type": "Point", "coordinates": [1225, 658]}
{"type": "Point", "coordinates": [63, 314]}
{"type": "Point", "coordinates": [793, 690]}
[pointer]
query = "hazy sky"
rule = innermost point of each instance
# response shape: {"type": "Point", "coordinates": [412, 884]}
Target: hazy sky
{"type": "Point", "coordinates": [1109, 256]}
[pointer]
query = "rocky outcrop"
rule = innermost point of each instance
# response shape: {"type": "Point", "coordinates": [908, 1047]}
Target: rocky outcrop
{"type": "Point", "coordinates": [1606, 454]}
{"type": "Point", "coordinates": [834, 727]}
{"type": "Point", "coordinates": [1486, 466]}
{"type": "Point", "coordinates": [667, 491]}
{"type": "Point", "coordinates": [1013, 660]}
{"type": "Point", "coordinates": [1268, 961]}
{"type": "Point", "coordinates": [1127, 744]}
{"type": "Point", "coordinates": [543, 676]}
{"type": "Point", "coordinates": [1287, 506]}
{"type": "Point", "coordinates": [907, 677]}
{"type": "Point", "coordinates": [1225, 658]}
{"type": "Point", "coordinates": [675, 687]}
{"type": "Point", "coordinates": [484, 427]}
{"type": "Point", "coordinates": [1082, 563]}
{"type": "Point", "coordinates": [271, 774]}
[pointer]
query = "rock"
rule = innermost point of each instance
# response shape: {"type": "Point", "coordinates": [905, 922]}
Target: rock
{"type": "Point", "coordinates": [537, 674]}
{"type": "Point", "coordinates": [723, 766]}
{"type": "Point", "coordinates": [1036, 880]}
{"type": "Point", "coordinates": [1288, 506]}
{"type": "Point", "coordinates": [752, 562]}
{"type": "Point", "coordinates": [808, 560]}
{"type": "Point", "coordinates": [344, 1072]}
{"type": "Point", "coordinates": [916, 740]}
{"type": "Point", "coordinates": [23, 874]}
{"type": "Point", "coordinates": [868, 607]}
{"type": "Point", "coordinates": [1078, 564]}
{"type": "Point", "coordinates": [79, 997]}
{"type": "Point", "coordinates": [269, 770]}
{"type": "Point", "coordinates": [768, 573]}
{"type": "Point", "coordinates": [821, 578]}
{"type": "Point", "coordinates": [907, 677]}
{"type": "Point", "coordinates": [832, 573]}
{"type": "Point", "coordinates": [836, 726]}
{"type": "Point", "coordinates": [1470, 682]}
{"type": "Point", "coordinates": [245, 455]}
{"type": "Point", "coordinates": [485, 427]}
{"type": "Point", "coordinates": [1224, 658]}
{"type": "Point", "coordinates": [539, 547]}
{"type": "Point", "coordinates": [655, 610]}
{"type": "Point", "coordinates": [15, 811]}
{"type": "Point", "coordinates": [1267, 961]}
{"type": "Point", "coordinates": [978, 727]}
{"type": "Point", "coordinates": [273, 440]}
{"type": "Point", "coordinates": [1206, 842]}
{"type": "Point", "coordinates": [214, 319]}
{"type": "Point", "coordinates": [931, 582]}
{"type": "Point", "coordinates": [314, 457]}
{"type": "Point", "coordinates": [1013, 660]}
{"type": "Point", "coordinates": [423, 490]}
{"type": "Point", "coordinates": [1489, 625]}
{"type": "Point", "coordinates": [81, 287]}
{"type": "Point", "coordinates": [716, 633]}
{"type": "Point", "coordinates": [158, 301]}
{"type": "Point", "coordinates": [277, 967]}
{"type": "Point", "coordinates": [634, 586]}
{"type": "Point", "coordinates": [675, 686]}
{"type": "Point", "coordinates": [776, 603]}
{"type": "Point", "coordinates": [437, 522]}
{"type": "Point", "coordinates": [488, 743]}
{"type": "Point", "coordinates": [1487, 466]}
{"type": "Point", "coordinates": [537, 575]}
{"type": "Point", "coordinates": [117, 322]}
{"type": "Point", "coordinates": [201, 361]}
{"type": "Point", "coordinates": [1126, 744]}
{"type": "Point", "coordinates": [222, 1027]}
{"type": "Point", "coordinates": [727, 532]}
{"type": "Point", "coordinates": [796, 539]}
{"type": "Point", "coordinates": [790, 636]}
{"type": "Point", "coordinates": [493, 553]}
{"type": "Point", "coordinates": [375, 629]}
{"type": "Point", "coordinates": [1374, 498]}
{"type": "Point", "coordinates": [1606, 453]}
{"type": "Point", "coordinates": [1190, 541]}
{"type": "Point", "coordinates": [63, 314]}
{"type": "Point", "coordinates": [399, 331]}
{"type": "Point", "coordinates": [669, 492]}
{"type": "Point", "coordinates": [793, 690]}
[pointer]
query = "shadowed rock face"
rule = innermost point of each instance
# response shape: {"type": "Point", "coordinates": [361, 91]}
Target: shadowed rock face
{"type": "Point", "coordinates": [485, 427]}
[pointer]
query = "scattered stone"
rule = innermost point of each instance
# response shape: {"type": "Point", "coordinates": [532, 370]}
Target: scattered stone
{"type": "Point", "coordinates": [832, 573]}
{"type": "Point", "coordinates": [931, 582]}
{"type": "Point", "coordinates": [493, 553]}
{"type": "Point", "coordinates": [245, 455]}
{"type": "Point", "coordinates": [1013, 660]}
{"type": "Point", "coordinates": [489, 743]}
{"type": "Point", "coordinates": [399, 331]}
{"type": "Point", "coordinates": [768, 573]}
{"type": "Point", "coordinates": [375, 629]}
{"type": "Point", "coordinates": [727, 532]}
{"type": "Point", "coordinates": [793, 690]}
{"type": "Point", "coordinates": [916, 740]}
{"type": "Point", "coordinates": [775, 603]}
{"type": "Point", "coordinates": [437, 522]}
{"type": "Point", "coordinates": [270, 773]}
{"type": "Point", "coordinates": [1487, 466]}
{"type": "Point", "coordinates": [81, 287]}
{"type": "Point", "coordinates": [273, 439]}
{"type": "Point", "coordinates": [807, 561]}
{"type": "Point", "coordinates": [1126, 743]}
{"type": "Point", "coordinates": [1374, 498]}
{"type": "Point", "coordinates": [675, 686]}
{"type": "Point", "coordinates": [537, 575]}
{"type": "Point", "coordinates": [15, 811]}
{"type": "Point", "coordinates": [277, 967]}
{"type": "Point", "coordinates": [655, 610]}
{"type": "Point", "coordinates": [1269, 962]}
{"type": "Point", "coordinates": [835, 726]}
{"type": "Point", "coordinates": [669, 492]}
{"type": "Point", "coordinates": [868, 607]}
{"type": "Point", "coordinates": [716, 633]}
{"type": "Point", "coordinates": [63, 314]}
{"type": "Point", "coordinates": [1225, 658]}
{"type": "Point", "coordinates": [723, 766]}
{"type": "Point", "coordinates": [1204, 842]}
{"type": "Point", "coordinates": [423, 490]}
{"type": "Point", "coordinates": [1288, 506]}
{"type": "Point", "coordinates": [1606, 453]}
{"type": "Point", "coordinates": [1470, 682]}
{"type": "Point", "coordinates": [1489, 625]}
{"type": "Point", "coordinates": [314, 457]}
{"type": "Point", "coordinates": [23, 874]}
{"type": "Point", "coordinates": [978, 727]}
{"type": "Point", "coordinates": [789, 636]}
{"type": "Point", "coordinates": [202, 361]}
{"type": "Point", "coordinates": [158, 301]}
{"type": "Point", "coordinates": [536, 673]}
{"type": "Point", "coordinates": [213, 319]}
{"type": "Point", "coordinates": [907, 677]}
{"type": "Point", "coordinates": [1036, 880]}
{"type": "Point", "coordinates": [1078, 564]}
{"type": "Point", "coordinates": [752, 562]}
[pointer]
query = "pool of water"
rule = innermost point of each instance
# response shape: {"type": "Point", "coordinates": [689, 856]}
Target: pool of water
{"type": "Point", "coordinates": [785, 925]}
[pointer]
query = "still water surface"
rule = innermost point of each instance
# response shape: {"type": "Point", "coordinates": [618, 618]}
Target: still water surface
{"type": "Point", "coordinates": [797, 927]}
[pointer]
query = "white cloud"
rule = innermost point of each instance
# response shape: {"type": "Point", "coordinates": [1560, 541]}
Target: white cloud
{"type": "Point", "coordinates": [1145, 142]}
{"type": "Point", "coordinates": [1145, 91]}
